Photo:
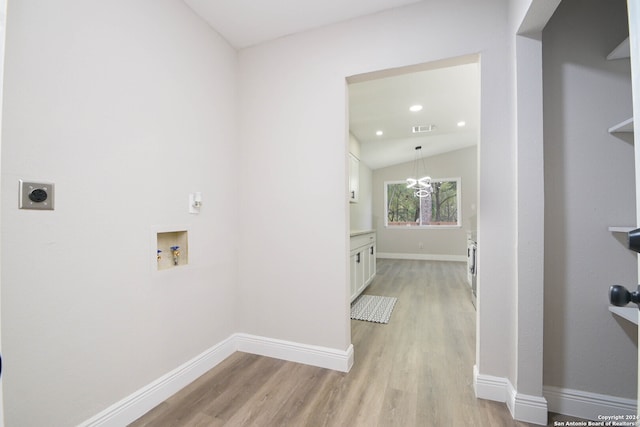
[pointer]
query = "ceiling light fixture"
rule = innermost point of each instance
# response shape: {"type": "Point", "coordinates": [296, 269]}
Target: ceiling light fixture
{"type": "Point", "coordinates": [415, 108]}
{"type": "Point", "coordinates": [422, 185]}
{"type": "Point", "coordinates": [462, 124]}
{"type": "Point", "coordinates": [379, 133]}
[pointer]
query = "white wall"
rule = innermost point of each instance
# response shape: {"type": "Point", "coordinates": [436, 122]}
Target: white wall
{"type": "Point", "coordinates": [297, 84]}
{"type": "Point", "coordinates": [127, 106]}
{"type": "Point", "coordinates": [448, 242]}
{"type": "Point", "coordinates": [3, 22]}
{"type": "Point", "coordinates": [527, 18]}
{"type": "Point", "coordinates": [589, 178]}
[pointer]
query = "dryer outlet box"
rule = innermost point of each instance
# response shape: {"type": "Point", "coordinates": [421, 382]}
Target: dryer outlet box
{"type": "Point", "coordinates": [36, 195]}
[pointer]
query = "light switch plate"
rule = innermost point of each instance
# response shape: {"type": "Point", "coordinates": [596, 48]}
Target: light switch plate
{"type": "Point", "coordinates": [36, 195]}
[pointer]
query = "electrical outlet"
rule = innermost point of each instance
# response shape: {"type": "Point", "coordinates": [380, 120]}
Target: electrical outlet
{"type": "Point", "coordinates": [36, 195]}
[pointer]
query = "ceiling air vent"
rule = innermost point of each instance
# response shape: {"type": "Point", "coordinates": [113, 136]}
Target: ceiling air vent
{"type": "Point", "coordinates": [422, 129]}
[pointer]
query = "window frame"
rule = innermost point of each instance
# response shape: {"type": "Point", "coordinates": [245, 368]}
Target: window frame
{"type": "Point", "coordinates": [458, 182]}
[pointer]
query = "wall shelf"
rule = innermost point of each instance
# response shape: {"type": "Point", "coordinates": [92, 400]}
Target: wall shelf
{"type": "Point", "coordinates": [625, 126]}
{"type": "Point", "coordinates": [617, 229]}
{"type": "Point", "coordinates": [622, 51]}
{"type": "Point", "coordinates": [621, 229]}
{"type": "Point", "coordinates": [627, 313]}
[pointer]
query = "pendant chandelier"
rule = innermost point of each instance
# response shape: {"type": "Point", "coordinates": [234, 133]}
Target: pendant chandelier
{"type": "Point", "coordinates": [420, 182]}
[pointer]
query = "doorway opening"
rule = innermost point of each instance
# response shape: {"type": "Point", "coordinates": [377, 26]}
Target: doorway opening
{"type": "Point", "coordinates": [434, 106]}
{"type": "Point", "coordinates": [382, 146]}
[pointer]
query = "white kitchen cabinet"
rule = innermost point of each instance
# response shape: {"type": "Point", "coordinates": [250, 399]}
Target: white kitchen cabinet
{"type": "Point", "coordinates": [368, 267]}
{"type": "Point", "coordinates": [357, 272]}
{"type": "Point", "coordinates": [362, 261]}
{"type": "Point", "coordinates": [354, 178]}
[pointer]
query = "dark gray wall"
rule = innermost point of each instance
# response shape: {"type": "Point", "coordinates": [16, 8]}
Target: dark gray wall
{"type": "Point", "coordinates": [589, 186]}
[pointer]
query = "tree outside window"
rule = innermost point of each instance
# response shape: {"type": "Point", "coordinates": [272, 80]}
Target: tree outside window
{"type": "Point", "coordinates": [439, 209]}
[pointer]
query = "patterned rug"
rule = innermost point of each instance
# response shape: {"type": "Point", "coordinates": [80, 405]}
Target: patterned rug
{"type": "Point", "coordinates": [372, 308]}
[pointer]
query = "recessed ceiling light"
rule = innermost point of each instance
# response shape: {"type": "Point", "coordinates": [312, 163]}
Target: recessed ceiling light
{"type": "Point", "coordinates": [462, 124]}
{"type": "Point", "coordinates": [415, 108]}
{"type": "Point", "coordinates": [379, 133]}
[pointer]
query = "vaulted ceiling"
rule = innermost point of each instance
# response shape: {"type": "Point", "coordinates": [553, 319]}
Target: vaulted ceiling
{"type": "Point", "coordinates": [449, 93]}
{"type": "Point", "coordinates": [245, 23]}
{"type": "Point", "coordinates": [449, 97]}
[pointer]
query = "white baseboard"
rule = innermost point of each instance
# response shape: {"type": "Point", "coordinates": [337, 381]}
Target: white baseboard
{"type": "Point", "coordinates": [525, 408]}
{"type": "Point", "coordinates": [322, 357]}
{"type": "Point", "coordinates": [142, 401]}
{"type": "Point", "coordinates": [423, 257]}
{"type": "Point", "coordinates": [587, 405]}
{"type": "Point", "coordinates": [534, 409]}
{"type": "Point", "coordinates": [489, 387]}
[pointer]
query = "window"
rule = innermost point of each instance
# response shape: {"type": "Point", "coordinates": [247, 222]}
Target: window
{"type": "Point", "coordinates": [439, 209]}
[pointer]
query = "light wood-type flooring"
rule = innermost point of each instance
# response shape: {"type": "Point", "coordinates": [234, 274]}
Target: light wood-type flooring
{"type": "Point", "coordinates": [417, 370]}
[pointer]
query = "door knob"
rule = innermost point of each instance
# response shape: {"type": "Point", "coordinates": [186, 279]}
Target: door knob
{"type": "Point", "coordinates": [633, 240]}
{"type": "Point", "coordinates": [620, 296]}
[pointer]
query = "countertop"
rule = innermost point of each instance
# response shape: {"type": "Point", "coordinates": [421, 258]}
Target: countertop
{"type": "Point", "coordinates": [359, 232]}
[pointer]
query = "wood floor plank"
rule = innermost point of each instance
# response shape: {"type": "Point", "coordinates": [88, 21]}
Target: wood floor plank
{"type": "Point", "coordinates": [417, 370]}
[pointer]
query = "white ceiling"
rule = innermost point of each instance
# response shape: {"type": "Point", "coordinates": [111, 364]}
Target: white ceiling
{"type": "Point", "coordinates": [448, 95]}
{"type": "Point", "coordinates": [245, 23]}
{"type": "Point", "coordinates": [449, 91]}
